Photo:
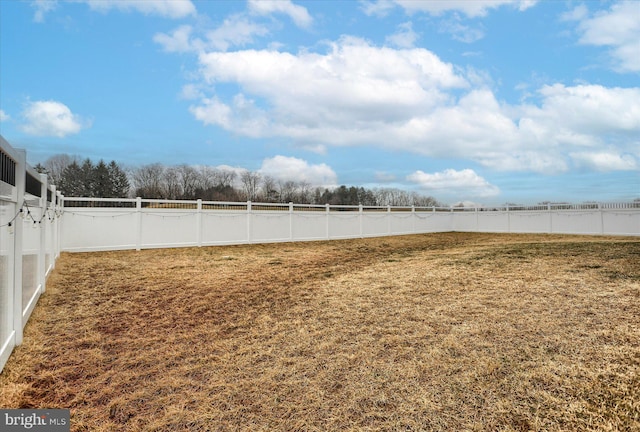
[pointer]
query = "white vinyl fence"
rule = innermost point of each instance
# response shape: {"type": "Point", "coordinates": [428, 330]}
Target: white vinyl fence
{"type": "Point", "coordinates": [95, 224]}
{"type": "Point", "coordinates": [29, 216]}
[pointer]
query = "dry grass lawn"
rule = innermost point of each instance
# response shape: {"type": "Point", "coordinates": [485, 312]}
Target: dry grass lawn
{"type": "Point", "coordinates": [452, 331]}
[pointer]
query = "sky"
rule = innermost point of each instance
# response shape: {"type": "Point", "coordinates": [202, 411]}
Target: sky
{"type": "Point", "coordinates": [485, 101]}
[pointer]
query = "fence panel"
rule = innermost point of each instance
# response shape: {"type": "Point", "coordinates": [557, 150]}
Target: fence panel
{"type": "Point", "coordinates": [375, 223]}
{"type": "Point", "coordinates": [224, 227]}
{"type": "Point", "coordinates": [433, 221]}
{"type": "Point", "coordinates": [118, 229]}
{"type": "Point", "coordinates": [401, 222]}
{"type": "Point", "coordinates": [31, 246]}
{"type": "Point", "coordinates": [493, 221]}
{"type": "Point", "coordinates": [168, 228]}
{"type": "Point", "coordinates": [27, 249]}
{"type": "Point", "coordinates": [571, 221]}
{"type": "Point", "coordinates": [344, 224]}
{"type": "Point", "coordinates": [270, 226]}
{"type": "Point", "coordinates": [529, 221]}
{"type": "Point", "coordinates": [309, 225]}
{"type": "Point", "coordinates": [465, 220]}
{"type": "Point", "coordinates": [621, 221]}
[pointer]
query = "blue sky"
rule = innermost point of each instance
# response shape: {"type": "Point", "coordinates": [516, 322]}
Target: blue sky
{"type": "Point", "coordinates": [488, 101]}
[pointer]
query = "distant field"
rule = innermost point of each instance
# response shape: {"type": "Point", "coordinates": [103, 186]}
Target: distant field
{"type": "Point", "coordinates": [449, 331]}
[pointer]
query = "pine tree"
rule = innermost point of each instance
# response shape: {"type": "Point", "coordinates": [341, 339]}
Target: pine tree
{"type": "Point", "coordinates": [71, 181]}
{"type": "Point", "coordinates": [119, 180]}
{"type": "Point", "coordinates": [101, 181]}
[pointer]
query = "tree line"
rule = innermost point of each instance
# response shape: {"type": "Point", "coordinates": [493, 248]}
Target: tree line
{"type": "Point", "coordinates": [83, 178]}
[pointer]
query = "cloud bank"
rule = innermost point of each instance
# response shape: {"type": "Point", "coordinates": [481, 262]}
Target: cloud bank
{"type": "Point", "coordinates": [408, 99]}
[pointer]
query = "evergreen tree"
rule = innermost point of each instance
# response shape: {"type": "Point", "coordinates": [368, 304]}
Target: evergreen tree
{"type": "Point", "coordinates": [71, 181]}
{"type": "Point", "coordinates": [119, 180]}
{"type": "Point", "coordinates": [101, 181]}
{"type": "Point", "coordinates": [87, 177]}
{"type": "Point", "coordinates": [94, 181]}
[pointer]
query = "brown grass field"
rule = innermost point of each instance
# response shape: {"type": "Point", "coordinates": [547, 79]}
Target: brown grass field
{"type": "Point", "coordinates": [438, 332]}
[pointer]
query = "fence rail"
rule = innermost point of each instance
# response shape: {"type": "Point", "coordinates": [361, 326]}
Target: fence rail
{"type": "Point", "coordinates": [29, 242]}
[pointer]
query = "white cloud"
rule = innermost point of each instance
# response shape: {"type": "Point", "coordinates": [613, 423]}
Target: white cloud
{"type": "Point", "coordinates": [461, 32]}
{"type": "Point", "coordinates": [583, 115]}
{"type": "Point", "coordinates": [298, 14]}
{"type": "Point", "coordinates": [578, 13]}
{"type": "Point", "coordinates": [51, 118]}
{"type": "Point", "coordinates": [236, 30]}
{"type": "Point", "coordinates": [618, 29]}
{"type": "Point", "coordinates": [410, 100]}
{"type": "Point", "coordinates": [290, 168]}
{"type": "Point", "coordinates": [450, 181]}
{"type": "Point", "coordinates": [473, 8]}
{"type": "Point", "coordinates": [405, 37]}
{"type": "Point", "coordinates": [604, 161]}
{"type": "Point", "coordinates": [191, 92]}
{"type": "Point", "coordinates": [378, 8]}
{"type": "Point", "coordinates": [353, 85]}
{"type": "Point", "coordinates": [42, 7]}
{"type": "Point", "coordinates": [4, 116]}
{"type": "Point", "coordinates": [179, 40]}
{"type": "Point", "coordinates": [164, 8]}
{"type": "Point", "coordinates": [211, 111]}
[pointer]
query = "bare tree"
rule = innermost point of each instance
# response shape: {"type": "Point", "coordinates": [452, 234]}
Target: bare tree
{"type": "Point", "coordinates": [172, 183]}
{"type": "Point", "coordinates": [208, 177]}
{"type": "Point", "coordinates": [424, 201]}
{"type": "Point", "coordinates": [224, 178]}
{"type": "Point", "coordinates": [287, 190]}
{"type": "Point", "coordinates": [148, 182]}
{"type": "Point", "coordinates": [250, 184]}
{"type": "Point", "coordinates": [189, 178]}
{"type": "Point", "coordinates": [269, 192]}
{"type": "Point", "coordinates": [304, 192]}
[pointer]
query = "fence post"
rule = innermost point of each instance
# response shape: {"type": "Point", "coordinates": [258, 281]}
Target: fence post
{"type": "Point", "coordinates": [21, 173]}
{"type": "Point", "coordinates": [361, 217]}
{"type": "Point", "coordinates": [290, 220]}
{"type": "Point", "coordinates": [388, 219]}
{"type": "Point", "coordinates": [550, 218]}
{"type": "Point", "coordinates": [138, 223]}
{"type": "Point", "coordinates": [413, 219]}
{"type": "Point", "coordinates": [53, 227]}
{"type": "Point", "coordinates": [508, 220]}
{"type": "Point", "coordinates": [327, 210]}
{"type": "Point", "coordinates": [199, 223]}
{"type": "Point", "coordinates": [248, 221]}
{"type": "Point", "coordinates": [59, 213]}
{"type": "Point", "coordinates": [601, 218]}
{"type": "Point", "coordinates": [42, 253]}
{"type": "Point", "coordinates": [477, 219]}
